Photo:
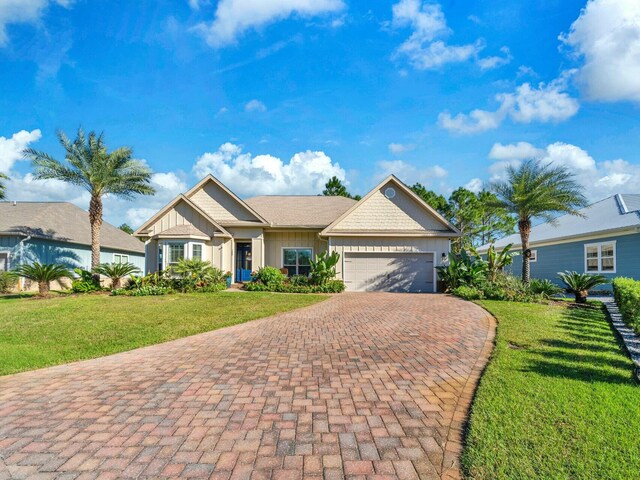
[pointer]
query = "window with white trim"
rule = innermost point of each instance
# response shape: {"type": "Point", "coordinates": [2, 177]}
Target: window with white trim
{"type": "Point", "coordinates": [196, 251]}
{"type": "Point", "coordinates": [175, 253]}
{"type": "Point", "coordinates": [600, 257]}
{"type": "Point", "coordinates": [170, 253]}
{"type": "Point", "coordinates": [119, 258]}
{"type": "Point", "coordinates": [297, 260]}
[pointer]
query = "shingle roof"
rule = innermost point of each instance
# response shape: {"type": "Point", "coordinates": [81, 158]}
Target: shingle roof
{"type": "Point", "coordinates": [184, 230]}
{"type": "Point", "coordinates": [300, 210]}
{"type": "Point", "coordinates": [617, 212]}
{"type": "Point", "coordinates": [61, 221]}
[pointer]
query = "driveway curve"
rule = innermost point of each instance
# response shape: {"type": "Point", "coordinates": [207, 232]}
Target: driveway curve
{"type": "Point", "coordinates": [361, 386]}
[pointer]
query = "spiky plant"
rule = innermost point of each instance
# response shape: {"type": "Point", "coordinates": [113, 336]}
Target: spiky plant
{"type": "Point", "coordinates": [580, 283]}
{"type": "Point", "coordinates": [2, 177]}
{"type": "Point", "coordinates": [43, 274]}
{"type": "Point", "coordinates": [537, 190]}
{"type": "Point", "coordinates": [88, 164]}
{"type": "Point", "coordinates": [116, 272]}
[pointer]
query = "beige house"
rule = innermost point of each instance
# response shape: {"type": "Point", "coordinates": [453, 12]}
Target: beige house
{"type": "Point", "coordinates": [391, 240]}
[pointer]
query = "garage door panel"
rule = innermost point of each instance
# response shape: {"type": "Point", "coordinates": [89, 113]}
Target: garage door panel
{"type": "Point", "coordinates": [392, 272]}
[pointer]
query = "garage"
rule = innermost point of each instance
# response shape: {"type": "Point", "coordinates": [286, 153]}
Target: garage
{"type": "Point", "coordinates": [389, 272]}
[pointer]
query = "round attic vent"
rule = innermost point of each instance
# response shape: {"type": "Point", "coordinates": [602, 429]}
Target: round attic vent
{"type": "Point", "coordinates": [389, 192]}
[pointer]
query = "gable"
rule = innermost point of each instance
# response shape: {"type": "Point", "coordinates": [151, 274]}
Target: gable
{"type": "Point", "coordinates": [220, 204]}
{"type": "Point", "coordinates": [404, 212]}
{"type": "Point", "coordinates": [181, 214]}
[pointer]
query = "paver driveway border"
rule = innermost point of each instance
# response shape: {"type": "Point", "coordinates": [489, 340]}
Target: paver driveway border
{"type": "Point", "coordinates": [361, 386]}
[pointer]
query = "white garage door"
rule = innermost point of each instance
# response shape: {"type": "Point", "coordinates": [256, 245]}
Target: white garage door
{"type": "Point", "coordinates": [389, 272]}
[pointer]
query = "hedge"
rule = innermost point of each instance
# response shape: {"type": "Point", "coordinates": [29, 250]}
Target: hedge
{"type": "Point", "coordinates": [331, 286]}
{"type": "Point", "coordinates": [627, 294]}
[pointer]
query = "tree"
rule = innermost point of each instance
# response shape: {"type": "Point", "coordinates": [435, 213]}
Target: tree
{"type": "Point", "coordinates": [43, 274]}
{"type": "Point", "coordinates": [91, 166]}
{"type": "Point", "coordinates": [493, 222]}
{"type": "Point", "coordinates": [335, 188]}
{"type": "Point", "coordinates": [434, 200]}
{"type": "Point", "coordinates": [2, 177]}
{"type": "Point", "coordinates": [126, 228]}
{"type": "Point", "coordinates": [464, 209]}
{"type": "Point", "coordinates": [536, 190]}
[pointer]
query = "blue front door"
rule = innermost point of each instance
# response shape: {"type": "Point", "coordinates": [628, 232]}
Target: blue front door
{"type": "Point", "coordinates": [243, 262]}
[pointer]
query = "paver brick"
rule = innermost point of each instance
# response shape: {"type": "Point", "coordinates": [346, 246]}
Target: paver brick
{"type": "Point", "coordinates": [361, 386]}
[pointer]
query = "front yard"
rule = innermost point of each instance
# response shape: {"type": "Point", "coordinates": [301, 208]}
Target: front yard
{"type": "Point", "coordinates": [38, 333]}
{"type": "Point", "coordinates": [558, 399]}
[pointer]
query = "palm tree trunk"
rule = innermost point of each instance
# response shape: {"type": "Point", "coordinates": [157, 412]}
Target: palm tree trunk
{"type": "Point", "coordinates": [524, 226]}
{"type": "Point", "coordinates": [43, 289]}
{"type": "Point", "coordinates": [95, 219]}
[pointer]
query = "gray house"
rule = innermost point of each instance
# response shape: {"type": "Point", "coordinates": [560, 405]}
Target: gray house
{"type": "Point", "coordinates": [59, 232]}
{"type": "Point", "coordinates": [605, 240]}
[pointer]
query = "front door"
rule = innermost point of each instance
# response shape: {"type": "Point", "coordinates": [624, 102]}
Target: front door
{"type": "Point", "coordinates": [243, 262]}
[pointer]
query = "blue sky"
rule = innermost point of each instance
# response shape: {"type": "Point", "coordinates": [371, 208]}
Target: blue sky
{"type": "Point", "coordinates": [275, 97]}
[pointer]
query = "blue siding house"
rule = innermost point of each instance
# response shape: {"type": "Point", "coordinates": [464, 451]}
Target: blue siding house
{"type": "Point", "coordinates": [605, 240]}
{"type": "Point", "coordinates": [59, 232]}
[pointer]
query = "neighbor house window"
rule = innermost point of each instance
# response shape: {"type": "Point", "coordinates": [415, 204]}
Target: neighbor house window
{"type": "Point", "coordinates": [119, 258]}
{"type": "Point", "coordinates": [600, 257]}
{"type": "Point", "coordinates": [4, 262]}
{"type": "Point", "coordinates": [297, 260]}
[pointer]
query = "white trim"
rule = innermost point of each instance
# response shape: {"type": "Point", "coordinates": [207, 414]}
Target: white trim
{"type": "Point", "coordinates": [7, 261]}
{"type": "Point", "coordinates": [187, 251]}
{"type": "Point", "coordinates": [121, 255]}
{"type": "Point", "coordinates": [293, 248]}
{"type": "Point", "coordinates": [599, 257]}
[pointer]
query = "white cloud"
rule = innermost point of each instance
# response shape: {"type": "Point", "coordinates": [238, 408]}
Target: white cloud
{"type": "Point", "coordinates": [607, 36]}
{"type": "Point", "coordinates": [398, 148]}
{"type": "Point", "coordinates": [496, 61]}
{"type": "Point", "coordinates": [235, 17]}
{"type": "Point", "coordinates": [23, 11]}
{"type": "Point", "coordinates": [195, 4]}
{"type": "Point", "coordinates": [248, 175]}
{"type": "Point", "coordinates": [600, 179]}
{"type": "Point", "coordinates": [545, 103]}
{"type": "Point", "coordinates": [475, 185]}
{"type": "Point", "coordinates": [428, 23]}
{"type": "Point", "coordinates": [409, 173]}
{"type": "Point", "coordinates": [255, 106]}
{"type": "Point", "coordinates": [11, 148]}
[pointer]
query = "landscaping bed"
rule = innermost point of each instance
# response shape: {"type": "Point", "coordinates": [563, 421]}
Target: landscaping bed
{"type": "Point", "coordinates": [57, 330]}
{"type": "Point", "coordinates": [557, 400]}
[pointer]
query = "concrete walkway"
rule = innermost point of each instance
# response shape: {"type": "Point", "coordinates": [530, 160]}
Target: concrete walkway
{"type": "Point", "coordinates": [361, 386]}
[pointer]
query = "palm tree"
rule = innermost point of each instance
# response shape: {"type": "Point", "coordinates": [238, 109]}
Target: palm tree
{"type": "Point", "coordinates": [2, 177]}
{"type": "Point", "coordinates": [91, 166]}
{"type": "Point", "coordinates": [537, 190]}
{"type": "Point", "coordinates": [116, 272]}
{"type": "Point", "coordinates": [43, 274]}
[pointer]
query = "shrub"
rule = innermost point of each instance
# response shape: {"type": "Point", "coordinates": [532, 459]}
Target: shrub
{"type": "Point", "coordinates": [468, 293]}
{"type": "Point", "coordinates": [463, 269]}
{"type": "Point", "coordinates": [85, 283]}
{"type": "Point", "coordinates": [324, 267]}
{"type": "Point", "coordinates": [300, 280]}
{"type": "Point", "coordinates": [8, 281]}
{"type": "Point", "coordinates": [627, 294]}
{"type": "Point", "coordinates": [43, 274]}
{"type": "Point", "coordinates": [144, 291]}
{"type": "Point", "coordinates": [545, 287]}
{"type": "Point", "coordinates": [496, 261]}
{"type": "Point", "coordinates": [116, 272]}
{"type": "Point", "coordinates": [330, 286]}
{"type": "Point", "coordinates": [510, 288]}
{"type": "Point", "coordinates": [269, 276]}
{"type": "Point", "coordinates": [580, 283]}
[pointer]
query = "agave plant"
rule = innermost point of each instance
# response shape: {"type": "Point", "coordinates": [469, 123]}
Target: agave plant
{"type": "Point", "coordinates": [43, 274]}
{"type": "Point", "coordinates": [580, 283]}
{"type": "Point", "coordinates": [324, 267]}
{"type": "Point", "coordinates": [116, 272]}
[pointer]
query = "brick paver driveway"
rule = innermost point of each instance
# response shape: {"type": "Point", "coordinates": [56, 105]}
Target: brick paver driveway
{"type": "Point", "coordinates": [362, 386]}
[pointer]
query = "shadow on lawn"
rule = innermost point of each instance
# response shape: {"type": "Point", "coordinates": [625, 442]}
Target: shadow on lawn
{"type": "Point", "coordinates": [590, 353]}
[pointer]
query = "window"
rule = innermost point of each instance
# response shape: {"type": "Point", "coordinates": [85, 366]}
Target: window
{"type": "Point", "coordinates": [196, 251]}
{"type": "Point", "coordinates": [600, 257]}
{"type": "Point", "coordinates": [4, 262]}
{"type": "Point", "coordinates": [175, 253]}
{"type": "Point", "coordinates": [534, 256]}
{"type": "Point", "coordinates": [297, 260]}
{"type": "Point", "coordinates": [119, 258]}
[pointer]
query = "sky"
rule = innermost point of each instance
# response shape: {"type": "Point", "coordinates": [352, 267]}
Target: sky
{"type": "Point", "coordinates": [277, 96]}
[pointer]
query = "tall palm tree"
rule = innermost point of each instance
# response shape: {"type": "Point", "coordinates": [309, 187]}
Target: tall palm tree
{"type": "Point", "coordinates": [91, 166]}
{"type": "Point", "coordinates": [537, 190]}
{"type": "Point", "coordinates": [2, 177]}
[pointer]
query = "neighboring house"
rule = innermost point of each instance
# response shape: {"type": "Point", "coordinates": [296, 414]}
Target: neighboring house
{"type": "Point", "coordinates": [59, 232]}
{"type": "Point", "coordinates": [390, 240]}
{"type": "Point", "coordinates": [605, 240]}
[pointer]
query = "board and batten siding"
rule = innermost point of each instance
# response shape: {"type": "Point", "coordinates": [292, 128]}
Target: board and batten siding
{"type": "Point", "coordinates": [344, 245]}
{"type": "Point", "coordinates": [219, 205]}
{"type": "Point", "coordinates": [552, 259]}
{"type": "Point", "coordinates": [182, 214]}
{"type": "Point", "coordinates": [276, 241]}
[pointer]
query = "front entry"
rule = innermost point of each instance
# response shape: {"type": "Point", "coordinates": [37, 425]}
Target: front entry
{"type": "Point", "coordinates": [243, 262]}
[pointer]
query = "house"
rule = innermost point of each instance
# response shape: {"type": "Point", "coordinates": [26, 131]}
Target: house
{"type": "Point", "coordinates": [59, 232]}
{"type": "Point", "coordinates": [604, 240]}
{"type": "Point", "coordinates": [390, 240]}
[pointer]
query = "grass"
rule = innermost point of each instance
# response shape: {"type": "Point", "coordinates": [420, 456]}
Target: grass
{"type": "Point", "coordinates": [557, 400]}
{"type": "Point", "coordinates": [37, 333]}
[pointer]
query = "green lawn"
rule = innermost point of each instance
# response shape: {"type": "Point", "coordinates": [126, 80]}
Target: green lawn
{"type": "Point", "coordinates": [557, 401]}
{"type": "Point", "coordinates": [37, 333]}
